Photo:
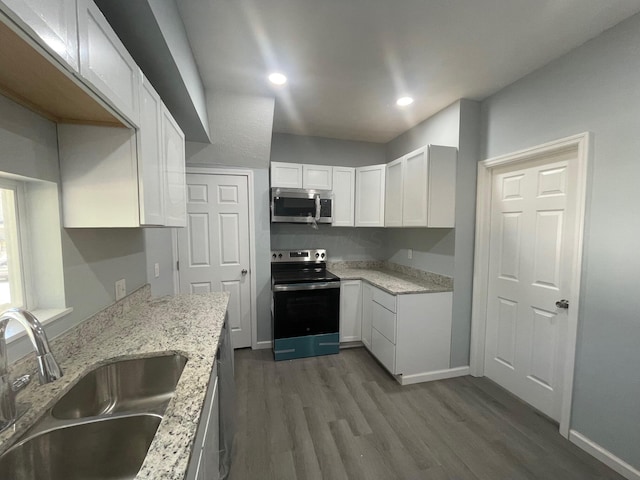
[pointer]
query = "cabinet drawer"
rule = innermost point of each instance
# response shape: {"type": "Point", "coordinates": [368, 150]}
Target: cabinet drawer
{"type": "Point", "coordinates": [384, 321]}
{"type": "Point", "coordinates": [383, 350]}
{"type": "Point", "coordinates": [385, 299]}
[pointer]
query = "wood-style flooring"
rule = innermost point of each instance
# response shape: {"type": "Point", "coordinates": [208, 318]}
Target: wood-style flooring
{"type": "Point", "coordinates": [343, 417]}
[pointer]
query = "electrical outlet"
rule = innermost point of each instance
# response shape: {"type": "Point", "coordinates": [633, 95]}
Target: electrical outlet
{"type": "Point", "coordinates": [121, 289]}
{"type": "Point", "coordinates": [410, 253]}
{"type": "Point", "coordinates": [156, 269]}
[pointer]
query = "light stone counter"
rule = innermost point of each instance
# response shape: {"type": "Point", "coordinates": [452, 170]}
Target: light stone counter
{"type": "Point", "coordinates": [138, 327]}
{"type": "Point", "coordinates": [392, 278]}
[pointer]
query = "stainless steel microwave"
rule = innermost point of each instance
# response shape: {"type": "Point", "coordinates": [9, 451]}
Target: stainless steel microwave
{"type": "Point", "coordinates": [297, 205]}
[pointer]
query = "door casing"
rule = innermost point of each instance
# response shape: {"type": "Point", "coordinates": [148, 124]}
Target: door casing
{"type": "Point", "coordinates": [213, 170]}
{"type": "Point", "coordinates": [581, 145]}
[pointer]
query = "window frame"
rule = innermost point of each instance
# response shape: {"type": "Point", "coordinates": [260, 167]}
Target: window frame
{"type": "Point", "coordinates": [21, 239]}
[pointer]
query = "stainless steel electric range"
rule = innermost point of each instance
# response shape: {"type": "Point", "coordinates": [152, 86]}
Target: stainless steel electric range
{"type": "Point", "coordinates": [305, 308]}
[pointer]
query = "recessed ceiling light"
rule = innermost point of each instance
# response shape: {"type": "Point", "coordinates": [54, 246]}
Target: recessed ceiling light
{"type": "Point", "coordinates": [277, 78]}
{"type": "Point", "coordinates": [404, 101]}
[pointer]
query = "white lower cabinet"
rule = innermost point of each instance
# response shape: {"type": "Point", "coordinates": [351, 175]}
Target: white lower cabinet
{"type": "Point", "coordinates": [367, 313]}
{"type": "Point", "coordinates": [410, 335]}
{"type": "Point", "coordinates": [205, 456]}
{"type": "Point", "coordinates": [350, 310]}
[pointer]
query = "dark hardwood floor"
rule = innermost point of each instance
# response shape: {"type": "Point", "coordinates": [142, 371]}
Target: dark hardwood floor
{"type": "Point", "coordinates": [343, 417]}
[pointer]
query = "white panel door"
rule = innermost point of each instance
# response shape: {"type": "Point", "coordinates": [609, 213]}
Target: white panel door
{"type": "Point", "coordinates": [344, 196]}
{"type": "Point", "coordinates": [393, 194]}
{"type": "Point", "coordinates": [531, 235]}
{"type": "Point", "coordinates": [53, 21]}
{"type": "Point", "coordinates": [214, 248]}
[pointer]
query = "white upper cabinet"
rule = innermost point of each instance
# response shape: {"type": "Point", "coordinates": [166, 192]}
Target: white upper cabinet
{"type": "Point", "coordinates": [52, 21]}
{"type": "Point", "coordinates": [393, 195]}
{"type": "Point", "coordinates": [151, 168]}
{"type": "Point", "coordinates": [421, 189]}
{"type": "Point", "coordinates": [174, 156]}
{"type": "Point", "coordinates": [344, 196]}
{"type": "Point", "coordinates": [105, 63]}
{"type": "Point", "coordinates": [370, 185]}
{"type": "Point", "coordinates": [317, 177]}
{"type": "Point", "coordinates": [286, 175]}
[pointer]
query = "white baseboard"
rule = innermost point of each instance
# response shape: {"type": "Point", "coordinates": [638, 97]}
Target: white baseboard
{"type": "Point", "coordinates": [262, 345]}
{"type": "Point", "coordinates": [605, 456]}
{"type": "Point", "coordinates": [431, 376]}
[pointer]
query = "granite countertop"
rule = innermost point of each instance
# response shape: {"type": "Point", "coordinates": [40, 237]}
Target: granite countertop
{"type": "Point", "coordinates": [134, 328]}
{"type": "Point", "coordinates": [390, 279]}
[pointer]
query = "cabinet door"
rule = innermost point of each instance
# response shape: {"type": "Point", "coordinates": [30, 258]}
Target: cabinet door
{"type": "Point", "coordinates": [151, 175]}
{"type": "Point", "coordinates": [344, 196]}
{"type": "Point", "coordinates": [350, 311]}
{"type": "Point", "coordinates": [370, 196]}
{"type": "Point", "coordinates": [393, 194]}
{"type": "Point", "coordinates": [105, 62]}
{"type": "Point", "coordinates": [210, 466]}
{"type": "Point", "coordinates": [367, 313]}
{"type": "Point", "coordinates": [442, 186]}
{"type": "Point", "coordinates": [174, 156]}
{"type": "Point", "coordinates": [414, 189]}
{"type": "Point", "coordinates": [317, 177]}
{"type": "Point", "coordinates": [286, 175]}
{"type": "Point", "coordinates": [53, 22]}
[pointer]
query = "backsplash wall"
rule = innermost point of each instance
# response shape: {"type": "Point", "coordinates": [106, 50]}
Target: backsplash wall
{"type": "Point", "coordinates": [341, 243]}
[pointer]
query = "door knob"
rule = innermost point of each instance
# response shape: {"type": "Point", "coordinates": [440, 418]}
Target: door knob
{"type": "Point", "coordinates": [562, 303]}
{"type": "Point", "coordinates": [244, 271]}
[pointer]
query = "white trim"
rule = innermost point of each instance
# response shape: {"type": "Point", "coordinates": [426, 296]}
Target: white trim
{"type": "Point", "coordinates": [44, 316]}
{"type": "Point", "coordinates": [215, 170]}
{"type": "Point", "coordinates": [581, 144]}
{"type": "Point", "coordinates": [604, 455]}
{"type": "Point", "coordinates": [262, 345]}
{"type": "Point", "coordinates": [176, 256]}
{"type": "Point", "coordinates": [431, 376]}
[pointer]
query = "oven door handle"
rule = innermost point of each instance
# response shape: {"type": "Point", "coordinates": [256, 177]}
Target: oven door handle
{"type": "Point", "coordinates": [294, 287]}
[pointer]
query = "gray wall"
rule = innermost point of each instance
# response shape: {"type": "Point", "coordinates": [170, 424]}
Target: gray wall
{"type": "Point", "coordinates": [446, 251]}
{"type": "Point", "coordinates": [325, 151]}
{"type": "Point", "coordinates": [594, 88]}
{"type": "Point", "coordinates": [93, 259]}
{"type": "Point", "coordinates": [241, 131]}
{"type": "Point", "coordinates": [158, 248]}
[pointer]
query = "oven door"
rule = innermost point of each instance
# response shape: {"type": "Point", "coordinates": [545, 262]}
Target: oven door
{"type": "Point", "coordinates": [306, 309]}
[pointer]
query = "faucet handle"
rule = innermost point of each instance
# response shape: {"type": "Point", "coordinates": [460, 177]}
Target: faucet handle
{"type": "Point", "coordinates": [20, 383]}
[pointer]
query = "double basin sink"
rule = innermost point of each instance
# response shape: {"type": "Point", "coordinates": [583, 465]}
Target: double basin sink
{"type": "Point", "coordinates": [102, 427]}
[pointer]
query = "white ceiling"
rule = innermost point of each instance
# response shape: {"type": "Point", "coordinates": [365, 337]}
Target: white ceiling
{"type": "Point", "coordinates": [348, 60]}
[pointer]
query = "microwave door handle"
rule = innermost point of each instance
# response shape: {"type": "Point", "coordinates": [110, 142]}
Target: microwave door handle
{"type": "Point", "coordinates": [317, 207]}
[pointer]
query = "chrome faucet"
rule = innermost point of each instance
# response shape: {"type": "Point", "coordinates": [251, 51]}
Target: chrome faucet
{"type": "Point", "coordinates": [48, 367]}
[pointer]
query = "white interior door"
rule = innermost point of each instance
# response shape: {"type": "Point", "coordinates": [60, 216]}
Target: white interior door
{"type": "Point", "coordinates": [214, 247]}
{"type": "Point", "coordinates": [531, 247]}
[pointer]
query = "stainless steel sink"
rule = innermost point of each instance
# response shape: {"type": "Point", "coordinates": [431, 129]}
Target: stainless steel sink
{"type": "Point", "coordinates": [139, 385]}
{"type": "Point", "coordinates": [101, 429]}
{"type": "Point", "coordinates": [109, 448]}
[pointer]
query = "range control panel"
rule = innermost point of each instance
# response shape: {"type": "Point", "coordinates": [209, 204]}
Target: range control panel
{"type": "Point", "coordinates": [318, 255]}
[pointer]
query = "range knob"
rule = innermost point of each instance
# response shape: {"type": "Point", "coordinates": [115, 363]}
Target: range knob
{"type": "Point", "coordinates": [279, 255]}
{"type": "Point", "coordinates": [317, 255]}
{"type": "Point", "coordinates": [273, 256]}
{"type": "Point", "coordinates": [322, 255]}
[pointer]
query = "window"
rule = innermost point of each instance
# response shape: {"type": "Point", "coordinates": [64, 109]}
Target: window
{"type": "Point", "coordinates": [12, 292]}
